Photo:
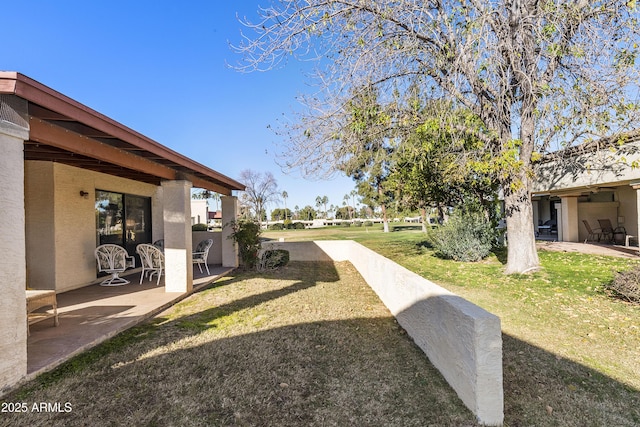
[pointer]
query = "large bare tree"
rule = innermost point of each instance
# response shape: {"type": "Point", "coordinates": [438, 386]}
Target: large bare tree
{"type": "Point", "coordinates": [539, 74]}
{"type": "Point", "coordinates": [261, 189]}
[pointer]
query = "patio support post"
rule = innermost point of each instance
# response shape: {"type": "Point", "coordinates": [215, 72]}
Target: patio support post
{"type": "Point", "coordinates": [13, 276]}
{"type": "Point", "coordinates": [569, 219]}
{"type": "Point", "coordinates": [229, 247]}
{"type": "Point", "coordinates": [177, 236]}
{"type": "Point", "coordinates": [636, 186]}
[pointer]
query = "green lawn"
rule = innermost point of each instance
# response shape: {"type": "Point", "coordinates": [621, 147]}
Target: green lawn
{"type": "Point", "coordinates": [564, 337]}
{"type": "Point", "coordinates": [307, 345]}
{"type": "Point", "coordinates": [311, 344]}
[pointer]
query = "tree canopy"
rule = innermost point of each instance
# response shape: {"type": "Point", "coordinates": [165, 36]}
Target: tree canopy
{"type": "Point", "coordinates": [261, 189]}
{"type": "Point", "coordinates": [539, 75]}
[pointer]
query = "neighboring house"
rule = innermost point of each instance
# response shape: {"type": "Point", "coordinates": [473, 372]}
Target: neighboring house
{"type": "Point", "coordinates": [200, 214]}
{"type": "Point", "coordinates": [71, 179]}
{"type": "Point", "coordinates": [215, 219]}
{"type": "Point", "coordinates": [598, 180]}
{"type": "Point", "coordinates": [199, 211]}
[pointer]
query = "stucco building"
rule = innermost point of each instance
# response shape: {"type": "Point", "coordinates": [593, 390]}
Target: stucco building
{"type": "Point", "coordinates": [595, 181]}
{"type": "Point", "coordinates": [71, 179]}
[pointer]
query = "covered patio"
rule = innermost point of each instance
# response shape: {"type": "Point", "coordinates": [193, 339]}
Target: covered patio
{"type": "Point", "coordinates": [93, 314]}
{"type": "Point", "coordinates": [72, 179]}
{"type": "Point", "coordinates": [593, 184]}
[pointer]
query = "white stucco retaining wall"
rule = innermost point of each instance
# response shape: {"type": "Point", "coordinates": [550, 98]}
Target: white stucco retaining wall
{"type": "Point", "coordinates": [462, 340]}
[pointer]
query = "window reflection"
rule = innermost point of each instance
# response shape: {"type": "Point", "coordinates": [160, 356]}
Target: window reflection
{"type": "Point", "coordinates": [122, 219]}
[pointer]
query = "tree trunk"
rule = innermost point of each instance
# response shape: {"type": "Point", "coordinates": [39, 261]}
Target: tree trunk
{"type": "Point", "coordinates": [423, 215]}
{"type": "Point", "coordinates": [522, 256]}
{"type": "Point", "coordinates": [385, 221]}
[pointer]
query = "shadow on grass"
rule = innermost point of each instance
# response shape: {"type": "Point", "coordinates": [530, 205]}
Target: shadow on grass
{"type": "Point", "coordinates": [543, 389]}
{"type": "Point", "coordinates": [500, 254]}
{"type": "Point", "coordinates": [355, 371]}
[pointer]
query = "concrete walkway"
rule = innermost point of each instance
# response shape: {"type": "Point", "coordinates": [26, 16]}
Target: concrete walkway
{"type": "Point", "coordinates": [93, 314]}
{"type": "Point", "coordinates": [591, 248]}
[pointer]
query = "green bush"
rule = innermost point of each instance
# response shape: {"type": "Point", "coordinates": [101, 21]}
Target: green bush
{"type": "Point", "coordinates": [368, 224]}
{"type": "Point", "coordinates": [467, 236]}
{"type": "Point", "coordinates": [346, 224]}
{"type": "Point", "coordinates": [247, 235]}
{"type": "Point", "coordinates": [199, 227]}
{"type": "Point", "coordinates": [288, 224]}
{"type": "Point", "coordinates": [276, 226]}
{"type": "Point", "coordinates": [299, 226]}
{"type": "Point", "coordinates": [626, 285]}
{"type": "Point", "coordinates": [273, 259]}
{"type": "Point", "coordinates": [357, 224]}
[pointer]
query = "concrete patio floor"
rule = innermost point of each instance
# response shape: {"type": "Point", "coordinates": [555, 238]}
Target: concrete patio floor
{"type": "Point", "coordinates": [592, 248]}
{"type": "Point", "coordinates": [93, 314]}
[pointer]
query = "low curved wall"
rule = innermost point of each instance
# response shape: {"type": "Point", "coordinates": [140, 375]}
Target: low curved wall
{"type": "Point", "coordinates": [462, 340]}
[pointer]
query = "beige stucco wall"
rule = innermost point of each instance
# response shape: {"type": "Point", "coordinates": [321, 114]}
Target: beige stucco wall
{"type": "Point", "coordinates": [593, 169]}
{"type": "Point", "coordinates": [628, 209]}
{"type": "Point", "coordinates": [60, 228]}
{"type": "Point", "coordinates": [215, 253]}
{"type": "Point", "coordinates": [13, 316]}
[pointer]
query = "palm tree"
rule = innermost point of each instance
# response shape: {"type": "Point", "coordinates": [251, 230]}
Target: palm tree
{"type": "Point", "coordinates": [216, 198]}
{"type": "Point", "coordinates": [318, 202]}
{"type": "Point", "coordinates": [324, 201]}
{"type": "Point", "coordinates": [353, 194]}
{"type": "Point", "coordinates": [284, 197]}
{"type": "Point", "coordinates": [346, 204]}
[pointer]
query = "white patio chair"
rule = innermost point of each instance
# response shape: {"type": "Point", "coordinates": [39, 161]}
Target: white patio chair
{"type": "Point", "coordinates": [201, 254]}
{"type": "Point", "coordinates": [152, 260]}
{"type": "Point", "coordinates": [113, 259]}
{"type": "Point", "coordinates": [159, 244]}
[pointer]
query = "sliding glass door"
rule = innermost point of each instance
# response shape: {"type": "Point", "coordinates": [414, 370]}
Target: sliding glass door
{"type": "Point", "coordinates": [123, 219]}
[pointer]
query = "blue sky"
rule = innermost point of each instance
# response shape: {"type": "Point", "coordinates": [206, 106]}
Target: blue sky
{"type": "Point", "coordinates": [161, 68]}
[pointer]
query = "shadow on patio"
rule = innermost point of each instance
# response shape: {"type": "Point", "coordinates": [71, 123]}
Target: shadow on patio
{"type": "Point", "coordinates": [92, 314]}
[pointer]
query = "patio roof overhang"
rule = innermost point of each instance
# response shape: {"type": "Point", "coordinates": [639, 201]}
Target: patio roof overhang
{"type": "Point", "coordinates": [65, 131]}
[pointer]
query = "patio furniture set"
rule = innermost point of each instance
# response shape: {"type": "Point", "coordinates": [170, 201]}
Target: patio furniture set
{"type": "Point", "coordinates": [114, 260]}
{"type": "Point", "coordinates": [606, 232]}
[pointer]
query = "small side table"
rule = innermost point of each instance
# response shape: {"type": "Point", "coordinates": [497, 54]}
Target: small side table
{"type": "Point", "coordinates": [627, 239]}
{"type": "Point", "coordinates": [36, 300]}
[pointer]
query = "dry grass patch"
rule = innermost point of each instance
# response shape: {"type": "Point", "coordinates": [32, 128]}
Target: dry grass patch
{"type": "Point", "coordinates": [570, 351]}
{"type": "Point", "coordinates": [307, 345]}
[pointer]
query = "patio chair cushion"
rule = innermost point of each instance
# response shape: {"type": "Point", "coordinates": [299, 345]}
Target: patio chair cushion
{"type": "Point", "coordinates": [201, 254]}
{"type": "Point", "coordinates": [113, 259]}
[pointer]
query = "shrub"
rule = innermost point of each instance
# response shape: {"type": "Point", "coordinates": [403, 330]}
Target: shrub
{"type": "Point", "coordinates": [288, 224]}
{"type": "Point", "coordinates": [273, 259]}
{"type": "Point", "coordinates": [357, 224]}
{"type": "Point", "coordinates": [276, 226]}
{"type": "Point", "coordinates": [247, 235]}
{"type": "Point", "coordinates": [368, 224]}
{"type": "Point", "coordinates": [626, 285]}
{"type": "Point", "coordinates": [299, 226]}
{"type": "Point", "coordinates": [467, 236]}
{"type": "Point", "coordinates": [199, 227]}
{"type": "Point", "coordinates": [346, 224]}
